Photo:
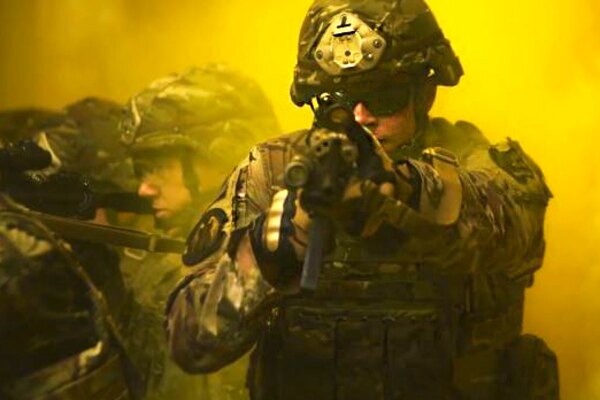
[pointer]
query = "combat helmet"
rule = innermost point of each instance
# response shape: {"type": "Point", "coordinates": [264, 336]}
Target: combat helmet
{"type": "Point", "coordinates": [83, 137]}
{"type": "Point", "coordinates": [213, 110]}
{"type": "Point", "coordinates": [25, 123]}
{"type": "Point", "coordinates": [353, 44]}
{"type": "Point", "coordinates": [86, 142]}
{"type": "Point", "coordinates": [212, 113]}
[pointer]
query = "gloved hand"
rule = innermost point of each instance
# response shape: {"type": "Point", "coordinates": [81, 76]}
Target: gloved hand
{"type": "Point", "coordinates": [358, 211]}
{"type": "Point", "coordinates": [279, 238]}
{"type": "Point", "coordinates": [376, 180]}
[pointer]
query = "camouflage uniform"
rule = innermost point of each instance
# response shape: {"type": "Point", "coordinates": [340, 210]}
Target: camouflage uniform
{"type": "Point", "coordinates": [430, 309]}
{"type": "Point", "coordinates": [58, 336]}
{"type": "Point", "coordinates": [66, 302]}
{"type": "Point", "coordinates": [212, 114]}
{"type": "Point", "coordinates": [83, 136]}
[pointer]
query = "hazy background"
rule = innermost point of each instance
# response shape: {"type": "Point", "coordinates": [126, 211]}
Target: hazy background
{"type": "Point", "coordinates": [533, 73]}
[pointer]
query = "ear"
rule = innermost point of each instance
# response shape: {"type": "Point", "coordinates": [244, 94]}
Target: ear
{"type": "Point", "coordinates": [429, 93]}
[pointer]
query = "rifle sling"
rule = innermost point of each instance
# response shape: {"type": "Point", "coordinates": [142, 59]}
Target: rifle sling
{"type": "Point", "coordinates": [81, 230]}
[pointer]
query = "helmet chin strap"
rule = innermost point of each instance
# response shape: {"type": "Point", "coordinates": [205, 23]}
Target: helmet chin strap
{"type": "Point", "coordinates": [201, 198]}
{"type": "Point", "coordinates": [424, 92]}
{"type": "Point", "coordinates": [179, 224]}
{"type": "Point", "coordinates": [422, 100]}
{"type": "Point", "coordinates": [184, 219]}
{"type": "Point", "coordinates": [190, 177]}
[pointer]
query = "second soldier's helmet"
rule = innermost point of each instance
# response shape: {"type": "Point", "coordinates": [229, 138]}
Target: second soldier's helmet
{"type": "Point", "coordinates": [95, 150]}
{"type": "Point", "coordinates": [83, 137]}
{"type": "Point", "coordinates": [352, 43]}
{"type": "Point", "coordinates": [214, 111]}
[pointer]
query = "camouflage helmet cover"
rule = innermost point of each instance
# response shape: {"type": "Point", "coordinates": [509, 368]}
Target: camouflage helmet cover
{"type": "Point", "coordinates": [83, 136]}
{"type": "Point", "coordinates": [212, 110]}
{"type": "Point", "coordinates": [398, 38]}
{"type": "Point", "coordinates": [88, 143]}
{"type": "Point", "coordinates": [25, 123]}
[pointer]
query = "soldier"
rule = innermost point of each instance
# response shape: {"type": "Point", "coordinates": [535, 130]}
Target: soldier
{"type": "Point", "coordinates": [59, 313]}
{"type": "Point", "coordinates": [84, 140]}
{"type": "Point", "coordinates": [186, 132]}
{"type": "Point", "coordinates": [425, 262]}
{"type": "Point", "coordinates": [66, 298]}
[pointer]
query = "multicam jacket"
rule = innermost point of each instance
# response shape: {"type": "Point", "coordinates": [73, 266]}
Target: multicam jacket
{"type": "Point", "coordinates": [425, 315]}
{"type": "Point", "coordinates": [58, 304]}
{"type": "Point", "coordinates": [150, 277]}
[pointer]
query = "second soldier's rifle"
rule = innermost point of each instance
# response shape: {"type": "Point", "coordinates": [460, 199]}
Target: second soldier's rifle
{"type": "Point", "coordinates": [65, 194]}
{"type": "Point", "coordinates": [338, 148]}
{"type": "Point", "coordinates": [72, 229]}
{"type": "Point", "coordinates": [62, 200]}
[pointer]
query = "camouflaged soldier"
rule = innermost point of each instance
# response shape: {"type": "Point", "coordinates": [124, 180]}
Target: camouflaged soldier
{"type": "Point", "coordinates": [421, 288]}
{"type": "Point", "coordinates": [83, 139]}
{"type": "Point", "coordinates": [82, 136]}
{"type": "Point", "coordinates": [186, 132]}
{"type": "Point", "coordinates": [59, 315]}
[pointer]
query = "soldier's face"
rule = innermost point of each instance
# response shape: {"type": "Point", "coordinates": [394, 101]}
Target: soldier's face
{"type": "Point", "coordinates": [393, 130]}
{"type": "Point", "coordinates": [162, 181]}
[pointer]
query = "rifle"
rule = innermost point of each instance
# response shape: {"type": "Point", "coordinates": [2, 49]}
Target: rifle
{"type": "Point", "coordinates": [63, 194]}
{"type": "Point", "coordinates": [337, 148]}
{"type": "Point", "coordinates": [61, 200]}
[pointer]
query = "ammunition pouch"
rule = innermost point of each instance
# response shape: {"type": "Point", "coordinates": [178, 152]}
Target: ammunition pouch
{"type": "Point", "coordinates": [525, 369]}
{"type": "Point", "coordinates": [531, 370]}
{"type": "Point", "coordinates": [340, 352]}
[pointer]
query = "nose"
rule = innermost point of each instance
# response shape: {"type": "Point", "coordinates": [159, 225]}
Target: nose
{"type": "Point", "coordinates": [363, 116]}
{"type": "Point", "coordinates": [146, 189]}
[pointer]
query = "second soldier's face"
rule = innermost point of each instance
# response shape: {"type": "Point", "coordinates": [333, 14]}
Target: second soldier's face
{"type": "Point", "coordinates": [393, 131]}
{"type": "Point", "coordinates": [162, 182]}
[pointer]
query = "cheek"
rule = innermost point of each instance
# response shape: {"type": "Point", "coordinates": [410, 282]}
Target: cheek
{"type": "Point", "coordinates": [401, 126]}
{"type": "Point", "coordinates": [173, 192]}
{"type": "Point", "coordinates": [392, 127]}
{"type": "Point", "coordinates": [176, 192]}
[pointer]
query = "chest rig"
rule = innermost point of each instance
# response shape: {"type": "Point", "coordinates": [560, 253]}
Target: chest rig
{"type": "Point", "coordinates": [371, 330]}
{"type": "Point", "coordinates": [377, 326]}
{"type": "Point", "coordinates": [76, 355]}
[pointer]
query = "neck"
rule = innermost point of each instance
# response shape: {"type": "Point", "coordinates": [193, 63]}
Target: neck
{"type": "Point", "coordinates": [414, 147]}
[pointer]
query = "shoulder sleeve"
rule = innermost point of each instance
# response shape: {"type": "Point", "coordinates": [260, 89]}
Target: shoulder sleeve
{"type": "Point", "coordinates": [215, 313]}
{"type": "Point", "coordinates": [498, 216]}
{"type": "Point", "coordinates": [504, 208]}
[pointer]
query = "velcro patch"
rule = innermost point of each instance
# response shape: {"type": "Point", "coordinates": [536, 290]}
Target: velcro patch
{"type": "Point", "coordinates": [206, 237]}
{"type": "Point", "coordinates": [510, 157]}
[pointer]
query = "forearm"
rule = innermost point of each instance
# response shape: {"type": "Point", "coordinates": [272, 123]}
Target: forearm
{"type": "Point", "coordinates": [468, 217]}
{"type": "Point", "coordinates": [215, 314]}
{"type": "Point", "coordinates": [499, 220]}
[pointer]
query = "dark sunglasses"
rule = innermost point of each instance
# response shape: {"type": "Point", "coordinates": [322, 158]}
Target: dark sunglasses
{"type": "Point", "coordinates": [382, 103]}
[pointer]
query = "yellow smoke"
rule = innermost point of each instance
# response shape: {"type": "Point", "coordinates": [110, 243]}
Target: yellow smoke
{"type": "Point", "coordinates": [533, 73]}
